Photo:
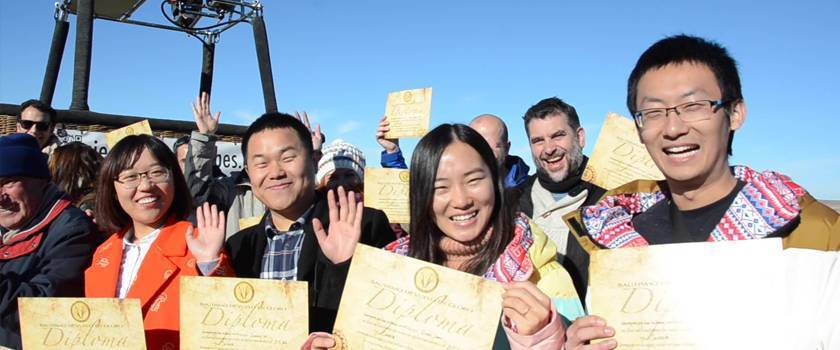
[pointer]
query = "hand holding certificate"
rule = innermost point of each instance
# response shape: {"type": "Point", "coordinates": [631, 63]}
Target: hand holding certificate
{"type": "Point", "coordinates": [395, 302]}
{"type": "Point", "coordinates": [408, 113]}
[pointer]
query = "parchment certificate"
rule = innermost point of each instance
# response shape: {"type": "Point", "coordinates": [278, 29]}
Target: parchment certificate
{"type": "Point", "coordinates": [719, 295]}
{"type": "Point", "coordinates": [138, 128]}
{"type": "Point", "coordinates": [387, 190]}
{"type": "Point", "coordinates": [619, 157]}
{"type": "Point", "coordinates": [408, 112]}
{"type": "Point", "coordinates": [243, 313]}
{"type": "Point", "coordinates": [395, 302]}
{"type": "Point", "coordinates": [81, 323]}
{"type": "Point", "coordinates": [249, 221]}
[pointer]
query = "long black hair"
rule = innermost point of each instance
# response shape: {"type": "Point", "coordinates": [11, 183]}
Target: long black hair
{"type": "Point", "coordinates": [425, 234]}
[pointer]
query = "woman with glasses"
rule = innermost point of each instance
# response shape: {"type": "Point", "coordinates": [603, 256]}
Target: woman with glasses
{"type": "Point", "coordinates": [461, 219]}
{"type": "Point", "coordinates": [143, 198]}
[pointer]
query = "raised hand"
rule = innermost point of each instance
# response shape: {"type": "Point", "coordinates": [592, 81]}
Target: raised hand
{"type": "Point", "coordinates": [317, 141]}
{"type": "Point", "coordinates": [526, 306]}
{"type": "Point", "coordinates": [207, 246]}
{"type": "Point", "coordinates": [390, 145]}
{"type": "Point", "coordinates": [206, 123]}
{"type": "Point", "coordinates": [345, 226]}
{"type": "Point", "coordinates": [588, 328]}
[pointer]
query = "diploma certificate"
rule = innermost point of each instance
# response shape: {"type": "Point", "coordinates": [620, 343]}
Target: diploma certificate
{"type": "Point", "coordinates": [619, 156]}
{"type": "Point", "coordinates": [387, 190]}
{"type": "Point", "coordinates": [81, 323]}
{"type": "Point", "coordinates": [243, 313]}
{"type": "Point", "coordinates": [408, 112]}
{"type": "Point", "coordinates": [396, 302]}
{"type": "Point", "coordinates": [717, 295]}
{"type": "Point", "coordinates": [138, 128]}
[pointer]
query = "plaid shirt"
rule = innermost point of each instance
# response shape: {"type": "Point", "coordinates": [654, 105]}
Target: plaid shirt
{"type": "Point", "coordinates": [282, 252]}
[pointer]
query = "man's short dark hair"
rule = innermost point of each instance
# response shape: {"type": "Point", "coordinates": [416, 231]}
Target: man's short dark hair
{"type": "Point", "coordinates": [41, 106]}
{"type": "Point", "coordinates": [689, 49]}
{"type": "Point", "coordinates": [275, 120]}
{"type": "Point", "coordinates": [552, 106]}
{"type": "Point", "coordinates": [183, 140]}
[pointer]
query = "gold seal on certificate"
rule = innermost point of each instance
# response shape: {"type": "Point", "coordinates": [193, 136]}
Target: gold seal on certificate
{"type": "Point", "coordinates": [408, 112]}
{"type": "Point", "coordinates": [81, 323]}
{"type": "Point", "coordinates": [387, 190]}
{"type": "Point", "coordinates": [619, 156]}
{"type": "Point", "coordinates": [718, 295]}
{"type": "Point", "coordinates": [396, 302]}
{"type": "Point", "coordinates": [138, 128]}
{"type": "Point", "coordinates": [426, 279]}
{"type": "Point", "coordinates": [243, 313]}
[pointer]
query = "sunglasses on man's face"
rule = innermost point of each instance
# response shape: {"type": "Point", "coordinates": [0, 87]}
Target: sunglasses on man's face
{"type": "Point", "coordinates": [40, 126]}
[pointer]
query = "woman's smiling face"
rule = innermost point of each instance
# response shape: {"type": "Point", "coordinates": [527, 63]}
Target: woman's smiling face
{"type": "Point", "coordinates": [464, 197]}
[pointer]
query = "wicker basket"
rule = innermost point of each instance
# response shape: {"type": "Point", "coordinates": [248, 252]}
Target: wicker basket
{"type": "Point", "coordinates": [8, 126]}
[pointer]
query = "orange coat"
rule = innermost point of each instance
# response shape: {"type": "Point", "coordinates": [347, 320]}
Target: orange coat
{"type": "Point", "coordinates": [157, 283]}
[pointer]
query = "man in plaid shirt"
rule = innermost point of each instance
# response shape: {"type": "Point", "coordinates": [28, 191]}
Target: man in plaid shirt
{"type": "Point", "coordinates": [300, 238]}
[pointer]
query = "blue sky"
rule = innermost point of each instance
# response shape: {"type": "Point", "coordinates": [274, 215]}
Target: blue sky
{"type": "Point", "coordinates": [339, 59]}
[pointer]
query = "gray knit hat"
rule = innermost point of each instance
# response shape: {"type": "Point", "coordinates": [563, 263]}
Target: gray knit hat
{"type": "Point", "coordinates": [341, 155]}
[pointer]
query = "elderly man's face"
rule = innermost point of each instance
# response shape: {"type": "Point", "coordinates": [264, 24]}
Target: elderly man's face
{"type": "Point", "coordinates": [20, 198]}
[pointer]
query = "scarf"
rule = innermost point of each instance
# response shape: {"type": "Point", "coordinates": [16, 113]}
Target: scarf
{"type": "Point", "coordinates": [458, 253]}
{"type": "Point", "coordinates": [48, 199]}
{"type": "Point", "coordinates": [767, 203]}
{"type": "Point", "coordinates": [513, 265]}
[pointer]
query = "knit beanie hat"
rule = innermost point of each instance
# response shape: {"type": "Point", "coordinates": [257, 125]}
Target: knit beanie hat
{"type": "Point", "coordinates": [340, 155]}
{"type": "Point", "coordinates": [22, 157]}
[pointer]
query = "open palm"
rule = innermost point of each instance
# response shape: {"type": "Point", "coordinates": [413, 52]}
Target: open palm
{"type": "Point", "coordinates": [317, 141]}
{"type": "Point", "coordinates": [211, 228]}
{"type": "Point", "coordinates": [206, 122]}
{"type": "Point", "coordinates": [338, 242]}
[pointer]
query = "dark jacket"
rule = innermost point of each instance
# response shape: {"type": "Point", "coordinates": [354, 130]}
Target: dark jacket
{"type": "Point", "coordinates": [46, 259]}
{"type": "Point", "coordinates": [202, 175]}
{"type": "Point", "coordinates": [517, 172]}
{"type": "Point", "coordinates": [232, 194]}
{"type": "Point", "coordinates": [326, 280]}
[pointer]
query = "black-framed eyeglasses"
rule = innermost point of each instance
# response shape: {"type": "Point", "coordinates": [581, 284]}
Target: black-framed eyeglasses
{"type": "Point", "coordinates": [40, 126]}
{"type": "Point", "coordinates": [132, 180]}
{"type": "Point", "coordinates": [687, 112]}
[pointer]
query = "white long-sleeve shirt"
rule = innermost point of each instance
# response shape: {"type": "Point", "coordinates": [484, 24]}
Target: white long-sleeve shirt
{"type": "Point", "coordinates": [133, 254]}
